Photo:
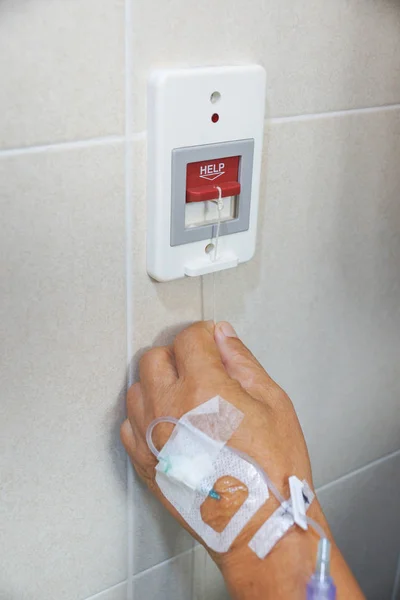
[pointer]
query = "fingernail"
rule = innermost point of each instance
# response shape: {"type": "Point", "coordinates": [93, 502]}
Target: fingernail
{"type": "Point", "coordinates": [226, 329]}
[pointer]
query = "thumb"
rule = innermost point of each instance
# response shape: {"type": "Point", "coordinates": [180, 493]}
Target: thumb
{"type": "Point", "coordinates": [240, 363]}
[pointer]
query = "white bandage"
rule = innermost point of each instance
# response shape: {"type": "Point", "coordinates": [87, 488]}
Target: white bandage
{"type": "Point", "coordinates": [277, 525]}
{"type": "Point", "coordinates": [195, 457]}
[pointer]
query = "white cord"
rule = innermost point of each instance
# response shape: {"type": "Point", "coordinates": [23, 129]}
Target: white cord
{"type": "Point", "coordinates": [220, 206]}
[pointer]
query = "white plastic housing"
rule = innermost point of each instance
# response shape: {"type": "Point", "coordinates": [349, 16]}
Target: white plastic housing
{"type": "Point", "coordinates": [179, 115]}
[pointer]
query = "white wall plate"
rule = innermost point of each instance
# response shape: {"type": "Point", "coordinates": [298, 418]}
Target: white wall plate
{"type": "Point", "coordinates": [205, 129]}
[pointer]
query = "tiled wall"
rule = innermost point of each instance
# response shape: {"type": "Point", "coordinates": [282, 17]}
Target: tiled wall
{"type": "Point", "coordinates": [319, 304]}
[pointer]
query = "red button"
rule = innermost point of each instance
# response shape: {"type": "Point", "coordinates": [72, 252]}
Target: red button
{"type": "Point", "coordinates": [202, 179]}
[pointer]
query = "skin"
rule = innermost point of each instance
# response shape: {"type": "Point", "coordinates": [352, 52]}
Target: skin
{"type": "Point", "coordinates": [204, 361]}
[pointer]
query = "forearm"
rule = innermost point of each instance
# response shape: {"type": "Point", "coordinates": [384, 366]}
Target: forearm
{"type": "Point", "coordinates": [284, 573]}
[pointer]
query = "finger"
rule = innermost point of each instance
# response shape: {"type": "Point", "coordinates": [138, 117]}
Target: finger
{"type": "Point", "coordinates": [196, 352]}
{"type": "Point", "coordinates": [157, 371]}
{"type": "Point", "coordinates": [135, 410]}
{"type": "Point", "coordinates": [127, 438]}
{"type": "Point", "coordinates": [241, 364]}
{"type": "Point", "coordinates": [137, 450]}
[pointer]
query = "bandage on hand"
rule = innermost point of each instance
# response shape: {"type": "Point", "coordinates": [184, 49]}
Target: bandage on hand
{"type": "Point", "coordinates": [204, 361]}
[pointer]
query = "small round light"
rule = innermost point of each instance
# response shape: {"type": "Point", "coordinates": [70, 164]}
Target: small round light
{"type": "Point", "coordinates": [215, 118]}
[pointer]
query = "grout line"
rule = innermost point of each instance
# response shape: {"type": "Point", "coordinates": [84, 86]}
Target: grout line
{"type": "Point", "coordinates": [129, 184]}
{"type": "Point", "coordinates": [141, 135]}
{"type": "Point", "coordinates": [348, 476]}
{"type": "Point", "coordinates": [99, 595]}
{"type": "Point", "coordinates": [163, 563]}
{"type": "Point", "coordinates": [334, 113]}
{"type": "Point", "coordinates": [396, 584]}
{"type": "Point", "coordinates": [192, 575]}
{"type": "Point", "coordinates": [60, 146]}
{"type": "Point", "coordinates": [130, 527]}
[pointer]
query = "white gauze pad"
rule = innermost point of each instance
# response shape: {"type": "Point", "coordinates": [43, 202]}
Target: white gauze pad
{"type": "Point", "coordinates": [195, 457]}
{"type": "Point", "coordinates": [277, 525]}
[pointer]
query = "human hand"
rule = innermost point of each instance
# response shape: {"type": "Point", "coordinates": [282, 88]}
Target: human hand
{"type": "Point", "coordinates": [203, 362]}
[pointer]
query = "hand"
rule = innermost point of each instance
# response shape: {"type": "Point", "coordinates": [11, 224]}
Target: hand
{"type": "Point", "coordinates": [203, 362]}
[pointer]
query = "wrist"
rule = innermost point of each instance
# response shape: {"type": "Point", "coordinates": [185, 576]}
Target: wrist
{"type": "Point", "coordinates": [283, 573]}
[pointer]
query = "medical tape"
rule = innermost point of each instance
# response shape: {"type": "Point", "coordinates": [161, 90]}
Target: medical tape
{"type": "Point", "coordinates": [195, 457]}
{"type": "Point", "coordinates": [277, 525]}
{"type": "Point", "coordinates": [298, 502]}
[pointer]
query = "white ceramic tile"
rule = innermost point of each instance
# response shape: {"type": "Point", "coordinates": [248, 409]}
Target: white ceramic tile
{"type": "Point", "coordinates": [62, 372]}
{"type": "Point", "coordinates": [160, 310]}
{"type": "Point", "coordinates": [363, 512]}
{"type": "Point", "coordinates": [208, 581]}
{"type": "Point", "coordinates": [117, 592]}
{"type": "Point", "coordinates": [319, 56]}
{"type": "Point", "coordinates": [319, 304]}
{"type": "Point", "coordinates": [62, 70]}
{"type": "Point", "coordinates": [172, 580]}
{"type": "Point", "coordinates": [157, 536]}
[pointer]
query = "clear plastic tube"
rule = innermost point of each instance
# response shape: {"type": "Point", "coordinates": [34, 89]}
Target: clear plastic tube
{"type": "Point", "coordinates": [264, 475]}
{"type": "Point", "coordinates": [149, 432]}
{"type": "Point", "coordinates": [317, 528]}
{"type": "Point", "coordinates": [321, 586]}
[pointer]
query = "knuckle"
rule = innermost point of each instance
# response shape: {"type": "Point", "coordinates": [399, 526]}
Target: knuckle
{"type": "Point", "coordinates": [191, 334]}
{"type": "Point", "coordinates": [185, 337]}
{"type": "Point", "coordinates": [144, 462]}
{"type": "Point", "coordinates": [143, 471]}
{"type": "Point", "coordinates": [133, 398]}
{"type": "Point", "coordinates": [240, 353]}
{"type": "Point", "coordinates": [134, 391]}
{"type": "Point", "coordinates": [152, 357]}
{"type": "Point", "coordinates": [280, 401]}
{"type": "Point", "coordinates": [124, 435]}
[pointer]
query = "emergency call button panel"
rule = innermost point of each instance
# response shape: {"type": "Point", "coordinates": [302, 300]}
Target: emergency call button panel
{"type": "Point", "coordinates": [205, 134]}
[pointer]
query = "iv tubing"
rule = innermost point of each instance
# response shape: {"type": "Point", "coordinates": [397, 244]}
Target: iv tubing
{"type": "Point", "coordinates": [149, 433]}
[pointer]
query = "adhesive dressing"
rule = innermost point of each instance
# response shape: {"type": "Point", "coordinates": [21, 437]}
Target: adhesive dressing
{"type": "Point", "coordinates": [277, 525]}
{"type": "Point", "coordinates": [196, 456]}
{"type": "Point", "coordinates": [201, 435]}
